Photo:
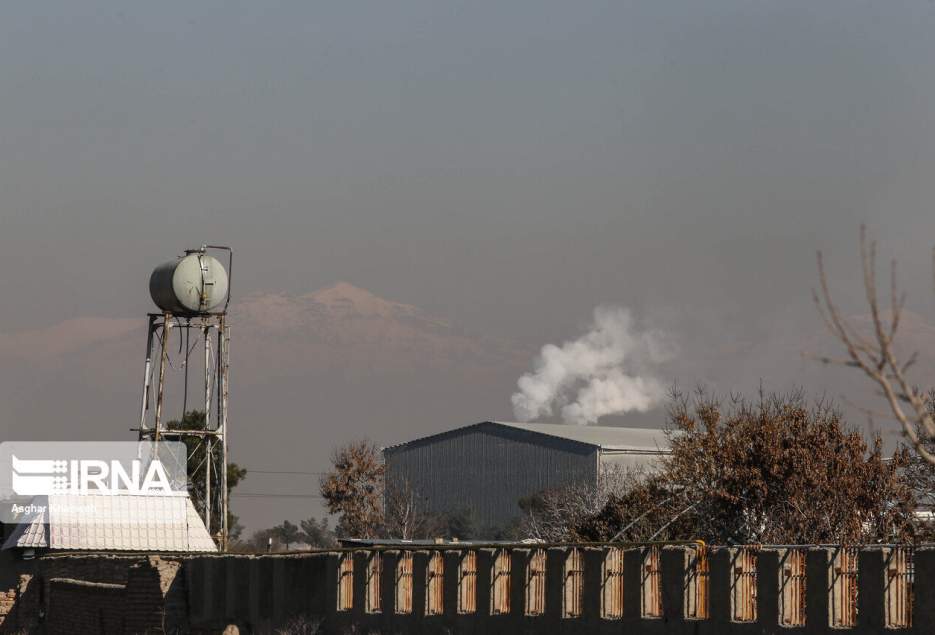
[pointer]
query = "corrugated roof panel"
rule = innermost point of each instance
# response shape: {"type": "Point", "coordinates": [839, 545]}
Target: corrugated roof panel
{"type": "Point", "coordinates": [611, 438]}
{"type": "Point", "coordinates": [605, 437]}
{"type": "Point", "coordinates": [115, 523]}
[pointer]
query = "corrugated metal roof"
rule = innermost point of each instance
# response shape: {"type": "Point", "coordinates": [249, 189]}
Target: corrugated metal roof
{"type": "Point", "coordinates": [114, 523]}
{"type": "Point", "coordinates": [604, 437]}
{"type": "Point", "coordinates": [607, 438]}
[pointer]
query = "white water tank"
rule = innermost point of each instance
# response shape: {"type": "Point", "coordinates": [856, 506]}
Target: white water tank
{"type": "Point", "coordinates": [195, 283]}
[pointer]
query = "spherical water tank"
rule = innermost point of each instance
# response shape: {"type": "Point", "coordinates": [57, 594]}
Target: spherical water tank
{"type": "Point", "coordinates": [195, 283]}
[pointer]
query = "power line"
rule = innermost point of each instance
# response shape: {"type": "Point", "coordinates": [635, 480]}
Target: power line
{"type": "Point", "coordinates": [259, 495]}
{"type": "Point", "coordinates": [249, 471]}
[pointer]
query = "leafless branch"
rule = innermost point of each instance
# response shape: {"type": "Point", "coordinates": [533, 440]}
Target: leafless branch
{"type": "Point", "coordinates": [875, 356]}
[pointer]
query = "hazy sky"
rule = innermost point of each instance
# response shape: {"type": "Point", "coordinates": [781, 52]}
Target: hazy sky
{"type": "Point", "coordinates": [506, 165]}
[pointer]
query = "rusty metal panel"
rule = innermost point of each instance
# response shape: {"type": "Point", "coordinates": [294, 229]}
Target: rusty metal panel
{"type": "Point", "coordinates": [374, 573]}
{"type": "Point", "coordinates": [697, 577]}
{"type": "Point", "coordinates": [404, 583]}
{"type": "Point", "coordinates": [843, 607]}
{"type": "Point", "coordinates": [573, 591]}
{"type": "Point", "coordinates": [434, 584]}
{"type": "Point", "coordinates": [612, 585]}
{"type": "Point", "coordinates": [535, 583]}
{"type": "Point", "coordinates": [651, 583]}
{"type": "Point", "coordinates": [898, 587]}
{"type": "Point", "coordinates": [792, 588]}
{"type": "Point", "coordinates": [500, 583]}
{"type": "Point", "coordinates": [346, 582]}
{"type": "Point", "coordinates": [467, 583]}
{"type": "Point", "coordinates": [743, 584]}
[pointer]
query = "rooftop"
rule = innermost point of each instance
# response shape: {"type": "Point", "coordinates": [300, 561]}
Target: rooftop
{"type": "Point", "coordinates": [113, 523]}
{"type": "Point", "coordinates": [607, 438]}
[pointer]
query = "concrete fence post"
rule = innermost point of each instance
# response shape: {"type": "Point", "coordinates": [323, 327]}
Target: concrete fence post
{"type": "Point", "coordinates": [420, 563]}
{"type": "Point", "coordinates": [554, 582]}
{"type": "Point", "coordinates": [870, 589]}
{"type": "Point", "coordinates": [593, 581]}
{"type": "Point", "coordinates": [484, 569]}
{"type": "Point", "coordinates": [388, 589]}
{"type": "Point", "coordinates": [719, 582]}
{"type": "Point", "coordinates": [817, 589]}
{"type": "Point", "coordinates": [673, 583]}
{"type": "Point", "coordinates": [361, 564]}
{"type": "Point", "coordinates": [767, 588]}
{"type": "Point", "coordinates": [923, 601]}
{"type": "Point", "coordinates": [451, 582]}
{"type": "Point", "coordinates": [632, 580]}
{"type": "Point", "coordinates": [519, 560]}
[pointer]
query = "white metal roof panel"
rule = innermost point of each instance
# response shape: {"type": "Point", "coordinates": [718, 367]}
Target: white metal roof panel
{"type": "Point", "coordinates": [115, 523]}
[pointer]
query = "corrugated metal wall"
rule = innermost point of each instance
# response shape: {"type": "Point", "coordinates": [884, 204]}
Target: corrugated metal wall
{"type": "Point", "coordinates": [488, 469]}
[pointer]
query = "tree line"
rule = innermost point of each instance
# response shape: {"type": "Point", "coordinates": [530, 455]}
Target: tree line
{"type": "Point", "coordinates": [775, 469]}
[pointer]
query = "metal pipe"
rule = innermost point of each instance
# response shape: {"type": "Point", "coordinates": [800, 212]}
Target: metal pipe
{"type": "Point", "coordinates": [147, 371]}
{"type": "Point", "coordinates": [224, 345]}
{"type": "Point", "coordinates": [206, 332]}
{"type": "Point", "coordinates": [163, 362]}
{"type": "Point", "coordinates": [208, 484]}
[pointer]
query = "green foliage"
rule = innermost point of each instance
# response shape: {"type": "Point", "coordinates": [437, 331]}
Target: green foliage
{"type": "Point", "coordinates": [460, 524]}
{"type": "Point", "coordinates": [288, 533]}
{"type": "Point", "coordinates": [195, 420]}
{"type": "Point", "coordinates": [317, 534]}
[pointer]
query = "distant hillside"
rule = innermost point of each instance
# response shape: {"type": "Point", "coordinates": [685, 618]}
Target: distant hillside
{"type": "Point", "coordinates": [308, 372]}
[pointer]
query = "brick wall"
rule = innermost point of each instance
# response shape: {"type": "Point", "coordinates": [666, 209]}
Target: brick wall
{"type": "Point", "coordinates": [148, 595]}
{"type": "Point", "coordinates": [77, 606]}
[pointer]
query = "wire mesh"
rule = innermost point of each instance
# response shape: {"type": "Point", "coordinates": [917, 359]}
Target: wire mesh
{"type": "Point", "coordinates": [404, 583]}
{"type": "Point", "coordinates": [612, 585]}
{"type": "Point", "coordinates": [697, 577]}
{"type": "Point", "coordinates": [535, 583]}
{"type": "Point", "coordinates": [844, 588]}
{"type": "Point", "coordinates": [792, 588]}
{"type": "Point", "coordinates": [743, 584]}
{"type": "Point", "coordinates": [651, 582]}
{"type": "Point", "coordinates": [467, 583]}
{"type": "Point", "coordinates": [898, 587]}
{"type": "Point", "coordinates": [434, 584]}
{"type": "Point", "coordinates": [374, 575]}
{"type": "Point", "coordinates": [346, 582]}
{"type": "Point", "coordinates": [500, 583]}
{"type": "Point", "coordinates": [574, 583]}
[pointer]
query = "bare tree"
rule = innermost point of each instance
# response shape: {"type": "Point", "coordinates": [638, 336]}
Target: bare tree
{"type": "Point", "coordinates": [405, 515]}
{"type": "Point", "coordinates": [553, 515]}
{"type": "Point", "coordinates": [874, 355]}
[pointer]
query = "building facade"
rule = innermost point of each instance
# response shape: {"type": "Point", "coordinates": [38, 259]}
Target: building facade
{"type": "Point", "coordinates": [488, 467]}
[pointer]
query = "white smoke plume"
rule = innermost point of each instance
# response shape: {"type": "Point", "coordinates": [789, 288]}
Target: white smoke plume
{"type": "Point", "coordinates": [606, 371]}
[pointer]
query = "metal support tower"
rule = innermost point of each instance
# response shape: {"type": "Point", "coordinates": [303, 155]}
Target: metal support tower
{"type": "Point", "coordinates": [207, 447]}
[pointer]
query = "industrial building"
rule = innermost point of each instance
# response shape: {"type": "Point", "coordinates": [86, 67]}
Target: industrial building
{"type": "Point", "coordinates": [487, 467]}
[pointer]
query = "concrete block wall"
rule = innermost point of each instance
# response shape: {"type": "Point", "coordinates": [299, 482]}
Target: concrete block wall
{"type": "Point", "coordinates": [724, 592]}
{"type": "Point", "coordinates": [265, 593]}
